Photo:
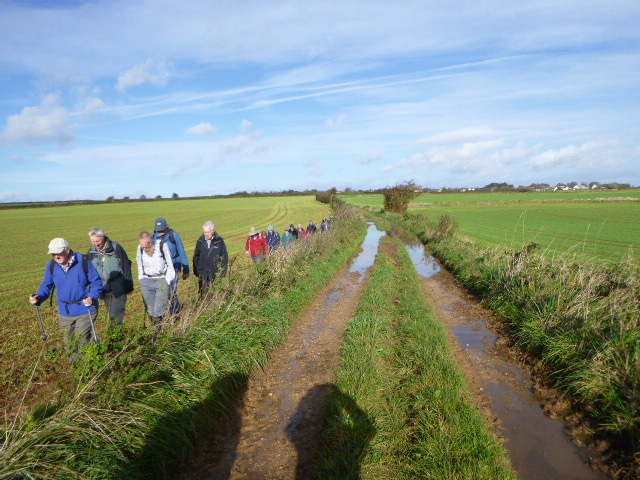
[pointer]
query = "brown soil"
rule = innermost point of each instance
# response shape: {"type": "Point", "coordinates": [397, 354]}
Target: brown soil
{"type": "Point", "coordinates": [275, 433]}
{"type": "Point", "coordinates": [454, 306]}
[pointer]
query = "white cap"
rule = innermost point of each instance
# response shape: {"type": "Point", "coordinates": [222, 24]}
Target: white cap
{"type": "Point", "coordinates": [58, 245]}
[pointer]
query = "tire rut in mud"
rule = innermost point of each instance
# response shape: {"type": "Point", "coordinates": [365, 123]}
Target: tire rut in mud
{"type": "Point", "coordinates": [275, 430]}
{"type": "Point", "coordinates": [502, 388]}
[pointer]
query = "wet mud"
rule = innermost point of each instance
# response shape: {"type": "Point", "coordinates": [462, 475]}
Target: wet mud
{"type": "Point", "coordinates": [276, 431]}
{"type": "Point", "coordinates": [540, 447]}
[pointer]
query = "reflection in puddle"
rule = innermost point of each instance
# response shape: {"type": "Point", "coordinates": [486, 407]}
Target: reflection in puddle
{"type": "Point", "coordinates": [475, 336]}
{"type": "Point", "coordinates": [448, 308]}
{"type": "Point", "coordinates": [365, 260]}
{"type": "Point", "coordinates": [425, 264]}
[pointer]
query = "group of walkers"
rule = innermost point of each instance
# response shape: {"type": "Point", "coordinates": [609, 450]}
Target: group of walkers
{"type": "Point", "coordinates": [104, 274]}
{"type": "Point", "coordinates": [259, 244]}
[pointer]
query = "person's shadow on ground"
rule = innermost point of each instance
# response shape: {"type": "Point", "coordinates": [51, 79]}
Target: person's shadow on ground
{"type": "Point", "coordinates": [194, 443]}
{"type": "Point", "coordinates": [334, 454]}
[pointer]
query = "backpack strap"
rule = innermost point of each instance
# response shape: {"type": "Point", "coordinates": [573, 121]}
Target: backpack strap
{"type": "Point", "coordinates": [142, 260]}
{"type": "Point", "coordinates": [162, 242]}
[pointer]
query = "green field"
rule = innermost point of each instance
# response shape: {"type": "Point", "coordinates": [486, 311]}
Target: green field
{"type": "Point", "coordinates": [376, 200]}
{"type": "Point", "coordinates": [25, 234]}
{"type": "Point", "coordinates": [606, 230]}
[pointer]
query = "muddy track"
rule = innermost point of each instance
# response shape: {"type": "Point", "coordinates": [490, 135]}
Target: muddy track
{"type": "Point", "coordinates": [275, 431]}
{"type": "Point", "coordinates": [540, 447]}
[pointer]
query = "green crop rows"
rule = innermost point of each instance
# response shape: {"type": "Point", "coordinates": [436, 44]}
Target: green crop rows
{"type": "Point", "coordinates": [607, 230]}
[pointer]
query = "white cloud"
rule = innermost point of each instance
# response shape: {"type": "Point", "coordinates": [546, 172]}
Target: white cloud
{"type": "Point", "coordinates": [12, 195]}
{"type": "Point", "coordinates": [186, 167]}
{"type": "Point", "coordinates": [461, 156]}
{"type": "Point", "coordinates": [90, 106]}
{"type": "Point", "coordinates": [156, 72]}
{"type": "Point", "coordinates": [467, 134]}
{"type": "Point", "coordinates": [203, 128]}
{"type": "Point", "coordinates": [566, 156]}
{"type": "Point", "coordinates": [238, 145]}
{"type": "Point", "coordinates": [246, 126]}
{"type": "Point", "coordinates": [369, 158]}
{"type": "Point", "coordinates": [486, 157]}
{"type": "Point", "coordinates": [336, 122]}
{"type": "Point", "coordinates": [47, 121]}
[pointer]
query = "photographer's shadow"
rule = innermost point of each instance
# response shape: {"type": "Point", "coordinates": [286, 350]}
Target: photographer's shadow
{"type": "Point", "coordinates": [199, 441]}
{"type": "Point", "coordinates": [338, 452]}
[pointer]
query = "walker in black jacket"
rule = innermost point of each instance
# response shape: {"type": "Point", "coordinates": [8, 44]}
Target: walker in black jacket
{"type": "Point", "coordinates": [208, 258]}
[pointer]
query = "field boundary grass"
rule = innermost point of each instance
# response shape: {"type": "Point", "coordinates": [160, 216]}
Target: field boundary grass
{"type": "Point", "coordinates": [400, 407]}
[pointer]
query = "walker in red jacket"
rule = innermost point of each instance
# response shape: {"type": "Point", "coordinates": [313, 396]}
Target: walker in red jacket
{"type": "Point", "coordinates": [256, 246]}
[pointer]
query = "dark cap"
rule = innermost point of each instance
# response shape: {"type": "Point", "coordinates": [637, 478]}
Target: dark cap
{"type": "Point", "coordinates": [161, 224]}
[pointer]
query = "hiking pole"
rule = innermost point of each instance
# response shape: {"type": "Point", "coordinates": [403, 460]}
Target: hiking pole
{"type": "Point", "coordinates": [44, 335]}
{"type": "Point", "coordinates": [93, 327]}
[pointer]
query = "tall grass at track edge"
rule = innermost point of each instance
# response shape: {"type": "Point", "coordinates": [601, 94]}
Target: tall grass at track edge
{"type": "Point", "coordinates": [137, 407]}
{"type": "Point", "coordinates": [577, 320]}
{"type": "Point", "coordinates": [400, 408]}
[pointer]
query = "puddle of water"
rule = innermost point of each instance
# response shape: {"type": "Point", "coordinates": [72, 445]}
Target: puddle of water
{"type": "Point", "coordinates": [426, 265]}
{"type": "Point", "coordinates": [367, 256]}
{"type": "Point", "coordinates": [539, 447]}
{"type": "Point", "coordinates": [475, 336]}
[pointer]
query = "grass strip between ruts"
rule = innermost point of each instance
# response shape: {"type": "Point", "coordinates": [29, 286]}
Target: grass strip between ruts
{"type": "Point", "coordinates": [400, 407]}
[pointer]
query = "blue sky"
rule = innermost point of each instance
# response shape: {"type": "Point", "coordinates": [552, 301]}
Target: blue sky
{"type": "Point", "coordinates": [135, 97]}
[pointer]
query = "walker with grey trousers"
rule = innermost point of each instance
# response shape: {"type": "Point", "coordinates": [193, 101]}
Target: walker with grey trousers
{"type": "Point", "coordinates": [155, 273]}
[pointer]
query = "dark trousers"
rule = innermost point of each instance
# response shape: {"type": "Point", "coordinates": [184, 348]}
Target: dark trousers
{"type": "Point", "coordinates": [115, 306]}
{"type": "Point", "coordinates": [206, 284]}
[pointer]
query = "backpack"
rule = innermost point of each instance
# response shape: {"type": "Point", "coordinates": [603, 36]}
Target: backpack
{"type": "Point", "coordinates": [52, 265]}
{"type": "Point", "coordinates": [169, 236]}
